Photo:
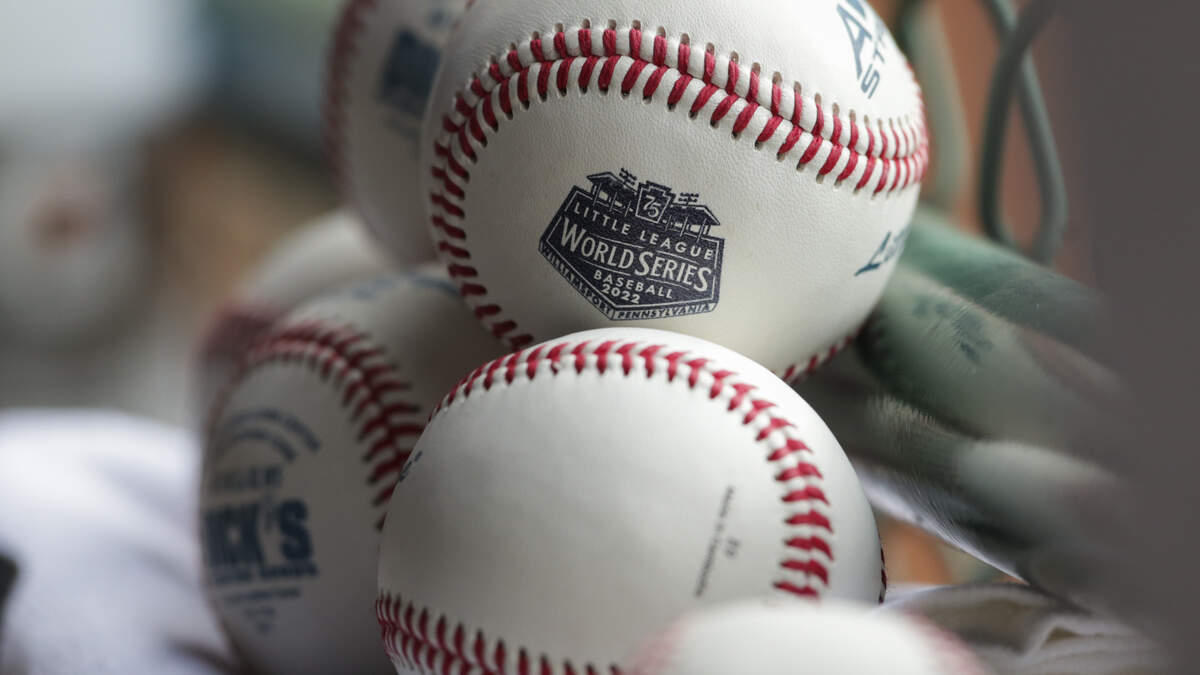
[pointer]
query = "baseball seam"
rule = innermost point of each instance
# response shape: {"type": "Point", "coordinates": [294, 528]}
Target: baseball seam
{"type": "Point", "coordinates": [665, 71]}
{"type": "Point", "coordinates": [370, 386]}
{"type": "Point", "coordinates": [236, 325]}
{"type": "Point", "coordinates": [807, 550]}
{"type": "Point", "coordinates": [343, 47]}
{"type": "Point", "coordinates": [660, 652]}
{"type": "Point", "coordinates": [796, 372]}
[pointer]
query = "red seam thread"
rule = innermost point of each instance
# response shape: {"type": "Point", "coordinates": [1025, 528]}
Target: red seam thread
{"type": "Point", "coordinates": [796, 372]}
{"type": "Point", "coordinates": [411, 645]}
{"type": "Point", "coordinates": [369, 397]}
{"type": "Point", "coordinates": [611, 355]}
{"type": "Point", "coordinates": [343, 47]}
{"type": "Point", "coordinates": [509, 330]}
{"type": "Point", "coordinates": [408, 641]}
{"type": "Point", "coordinates": [234, 329]}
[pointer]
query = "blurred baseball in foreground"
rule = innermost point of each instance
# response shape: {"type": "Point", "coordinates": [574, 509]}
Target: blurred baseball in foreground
{"type": "Point", "coordinates": [382, 59]}
{"type": "Point", "coordinates": [320, 256]}
{"type": "Point", "coordinates": [566, 500]}
{"type": "Point", "coordinates": [302, 457]}
{"type": "Point", "coordinates": [741, 172]}
{"type": "Point", "coordinates": [784, 638]}
{"type": "Point", "coordinates": [74, 252]}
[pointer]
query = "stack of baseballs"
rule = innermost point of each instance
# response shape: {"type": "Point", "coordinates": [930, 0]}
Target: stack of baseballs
{"type": "Point", "coordinates": [669, 210]}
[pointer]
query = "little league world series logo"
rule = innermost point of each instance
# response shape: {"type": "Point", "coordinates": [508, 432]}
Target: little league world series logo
{"type": "Point", "coordinates": [636, 250]}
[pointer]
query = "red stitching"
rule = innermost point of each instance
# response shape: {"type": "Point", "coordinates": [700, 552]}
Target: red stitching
{"type": "Point", "coordinates": [369, 384]}
{"type": "Point", "coordinates": [236, 326]}
{"type": "Point", "coordinates": [409, 642]}
{"type": "Point", "coordinates": [343, 47]}
{"type": "Point", "coordinates": [622, 356]}
{"type": "Point", "coordinates": [501, 72]}
{"type": "Point", "coordinates": [413, 646]}
{"type": "Point", "coordinates": [794, 373]}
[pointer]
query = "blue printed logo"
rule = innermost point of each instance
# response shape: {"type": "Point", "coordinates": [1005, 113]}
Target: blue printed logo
{"type": "Point", "coordinates": [636, 250]}
{"type": "Point", "coordinates": [890, 248]}
{"type": "Point", "coordinates": [407, 79]}
{"type": "Point", "coordinates": [869, 39]}
{"type": "Point", "coordinates": [258, 541]}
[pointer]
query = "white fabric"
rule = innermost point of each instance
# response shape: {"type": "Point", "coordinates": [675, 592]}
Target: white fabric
{"type": "Point", "coordinates": [97, 510]}
{"type": "Point", "coordinates": [1019, 630]}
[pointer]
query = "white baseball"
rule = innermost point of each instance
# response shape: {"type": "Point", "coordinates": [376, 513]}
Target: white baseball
{"type": "Point", "coordinates": [301, 459]}
{"type": "Point", "coordinates": [317, 258]}
{"type": "Point", "coordinates": [566, 500]}
{"type": "Point", "coordinates": [739, 171]}
{"type": "Point", "coordinates": [75, 254]}
{"type": "Point", "coordinates": [783, 638]}
{"type": "Point", "coordinates": [382, 59]}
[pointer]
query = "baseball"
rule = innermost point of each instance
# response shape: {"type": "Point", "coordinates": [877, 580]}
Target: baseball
{"type": "Point", "coordinates": [741, 172]}
{"type": "Point", "coordinates": [75, 253]}
{"type": "Point", "coordinates": [566, 500]}
{"type": "Point", "coordinates": [777, 638]}
{"type": "Point", "coordinates": [317, 258]}
{"type": "Point", "coordinates": [382, 58]}
{"type": "Point", "coordinates": [302, 455]}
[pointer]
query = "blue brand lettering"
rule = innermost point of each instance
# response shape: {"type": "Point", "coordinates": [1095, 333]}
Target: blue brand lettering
{"type": "Point", "coordinates": [407, 78]}
{"type": "Point", "coordinates": [868, 40]}
{"type": "Point", "coordinates": [259, 540]}
{"type": "Point", "coordinates": [231, 533]}
{"type": "Point", "coordinates": [296, 543]}
{"type": "Point", "coordinates": [888, 250]}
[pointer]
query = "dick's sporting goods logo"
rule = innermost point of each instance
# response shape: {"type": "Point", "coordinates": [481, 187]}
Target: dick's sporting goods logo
{"type": "Point", "coordinates": [262, 540]}
{"type": "Point", "coordinates": [636, 250]}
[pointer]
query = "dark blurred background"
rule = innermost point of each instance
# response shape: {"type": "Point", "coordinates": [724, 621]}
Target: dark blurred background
{"type": "Point", "coordinates": [152, 151]}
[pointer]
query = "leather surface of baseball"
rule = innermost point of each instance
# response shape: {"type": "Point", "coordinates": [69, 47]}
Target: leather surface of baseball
{"type": "Point", "coordinates": [382, 60]}
{"type": "Point", "coordinates": [566, 500]}
{"type": "Point", "coordinates": [741, 172]}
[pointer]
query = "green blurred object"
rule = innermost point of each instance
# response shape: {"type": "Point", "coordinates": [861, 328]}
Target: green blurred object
{"type": "Point", "coordinates": [978, 371]}
{"type": "Point", "coordinates": [1016, 506]}
{"type": "Point", "coordinates": [969, 404]}
{"type": "Point", "coordinates": [920, 35]}
{"type": "Point", "coordinates": [1007, 284]}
